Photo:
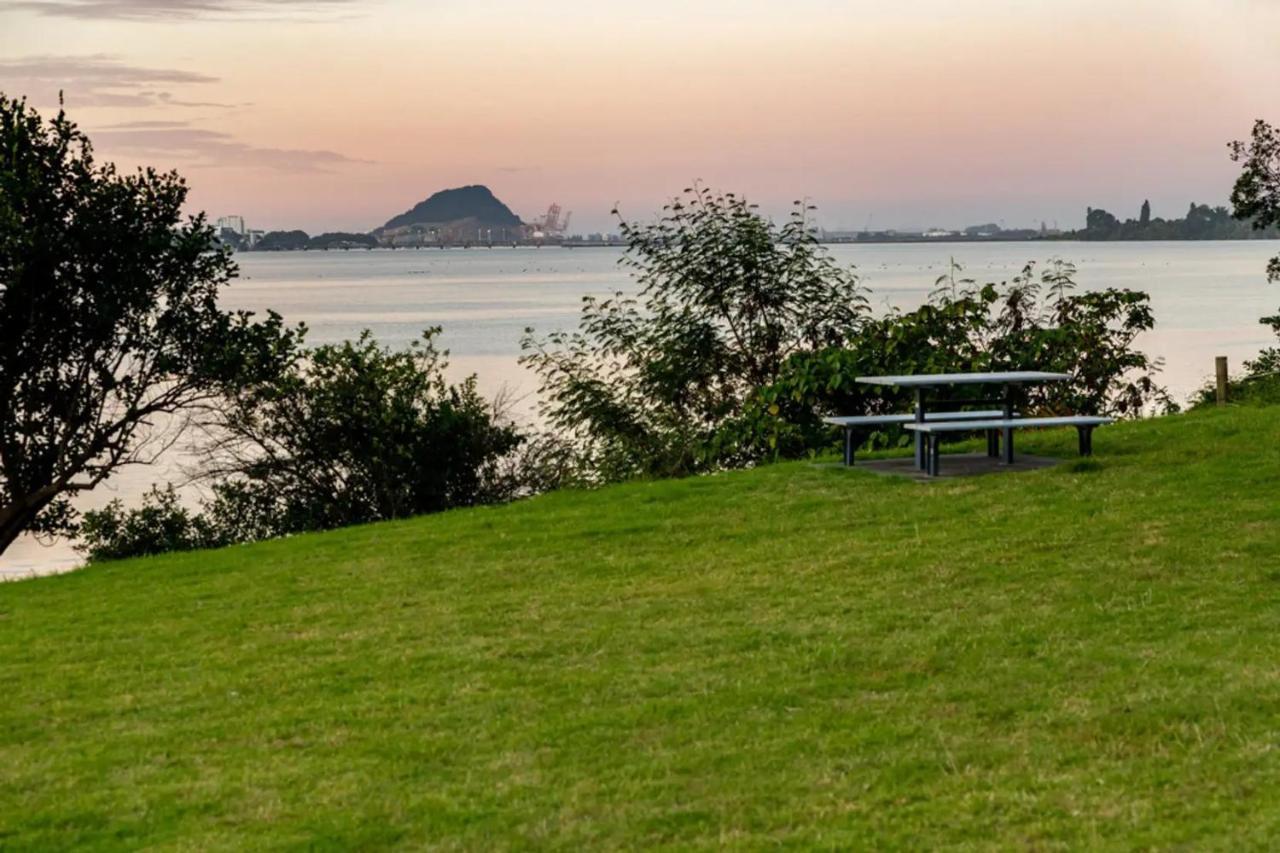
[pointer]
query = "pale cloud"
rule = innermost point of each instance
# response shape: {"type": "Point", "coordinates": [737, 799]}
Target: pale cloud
{"type": "Point", "coordinates": [201, 148]}
{"type": "Point", "coordinates": [147, 125]}
{"type": "Point", "coordinates": [154, 10]}
{"type": "Point", "coordinates": [97, 80]}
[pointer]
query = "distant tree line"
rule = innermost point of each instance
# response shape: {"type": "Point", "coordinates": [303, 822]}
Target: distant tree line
{"type": "Point", "coordinates": [1201, 222]}
{"type": "Point", "coordinates": [287, 241]}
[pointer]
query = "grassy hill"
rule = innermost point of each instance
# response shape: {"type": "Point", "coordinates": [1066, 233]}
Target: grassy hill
{"type": "Point", "coordinates": [1081, 656]}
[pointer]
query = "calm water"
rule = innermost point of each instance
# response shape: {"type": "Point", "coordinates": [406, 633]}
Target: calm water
{"type": "Point", "coordinates": [1207, 299]}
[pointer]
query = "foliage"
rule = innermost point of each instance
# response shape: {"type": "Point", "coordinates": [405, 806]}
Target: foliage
{"type": "Point", "coordinates": [352, 433]}
{"type": "Point", "coordinates": [344, 434]}
{"type": "Point", "coordinates": [793, 656]}
{"type": "Point", "coordinates": [282, 241]}
{"type": "Point", "coordinates": [744, 335]}
{"type": "Point", "coordinates": [342, 240]}
{"type": "Point", "coordinates": [1256, 194]}
{"type": "Point", "coordinates": [1267, 362]}
{"type": "Point", "coordinates": [1036, 319]}
{"type": "Point", "coordinates": [1201, 222]}
{"type": "Point", "coordinates": [161, 523]}
{"type": "Point", "coordinates": [109, 322]}
{"type": "Point", "coordinates": [652, 385]}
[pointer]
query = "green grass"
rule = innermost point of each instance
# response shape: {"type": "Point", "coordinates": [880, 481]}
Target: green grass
{"type": "Point", "coordinates": [1085, 656]}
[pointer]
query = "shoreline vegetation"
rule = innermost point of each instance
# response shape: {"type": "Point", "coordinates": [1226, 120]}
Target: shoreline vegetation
{"type": "Point", "coordinates": [822, 241]}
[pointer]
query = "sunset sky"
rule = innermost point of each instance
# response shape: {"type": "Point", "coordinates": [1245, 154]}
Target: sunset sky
{"type": "Point", "coordinates": [337, 115]}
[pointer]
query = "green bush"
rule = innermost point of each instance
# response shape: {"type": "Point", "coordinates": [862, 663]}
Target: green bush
{"type": "Point", "coordinates": [160, 524]}
{"type": "Point", "coordinates": [1035, 321]}
{"type": "Point", "coordinates": [353, 433]}
{"type": "Point", "coordinates": [648, 385]}
{"type": "Point", "coordinates": [345, 434]}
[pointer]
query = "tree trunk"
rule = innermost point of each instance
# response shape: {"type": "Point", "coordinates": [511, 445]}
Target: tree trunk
{"type": "Point", "coordinates": [16, 518]}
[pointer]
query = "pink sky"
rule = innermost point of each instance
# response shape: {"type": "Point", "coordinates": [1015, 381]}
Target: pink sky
{"type": "Point", "coordinates": [339, 114]}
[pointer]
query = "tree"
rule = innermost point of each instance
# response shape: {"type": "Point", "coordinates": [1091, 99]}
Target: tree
{"type": "Point", "coordinates": [1256, 194]}
{"type": "Point", "coordinates": [651, 385]}
{"type": "Point", "coordinates": [1100, 225]}
{"type": "Point", "coordinates": [1144, 216]}
{"type": "Point", "coordinates": [109, 323]}
{"type": "Point", "coordinates": [352, 433]}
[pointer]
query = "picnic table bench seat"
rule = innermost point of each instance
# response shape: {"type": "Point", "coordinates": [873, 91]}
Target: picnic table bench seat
{"type": "Point", "coordinates": [851, 423]}
{"type": "Point", "coordinates": [932, 430]}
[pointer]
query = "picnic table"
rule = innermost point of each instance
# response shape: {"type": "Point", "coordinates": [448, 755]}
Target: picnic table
{"type": "Point", "coordinates": [924, 383]}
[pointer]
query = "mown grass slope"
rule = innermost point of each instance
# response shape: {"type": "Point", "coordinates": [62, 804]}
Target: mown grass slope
{"type": "Point", "coordinates": [1086, 655]}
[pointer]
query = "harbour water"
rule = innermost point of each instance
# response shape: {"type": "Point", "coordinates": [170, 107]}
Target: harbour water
{"type": "Point", "coordinates": [1207, 298]}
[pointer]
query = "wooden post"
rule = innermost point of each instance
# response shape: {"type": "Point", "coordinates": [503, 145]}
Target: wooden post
{"type": "Point", "coordinates": [1220, 366]}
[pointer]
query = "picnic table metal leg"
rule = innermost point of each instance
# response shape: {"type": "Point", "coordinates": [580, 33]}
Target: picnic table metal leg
{"type": "Point", "coordinates": [1086, 440]}
{"type": "Point", "coordinates": [993, 443]}
{"type": "Point", "coordinates": [934, 447]}
{"type": "Point", "coordinates": [848, 445]}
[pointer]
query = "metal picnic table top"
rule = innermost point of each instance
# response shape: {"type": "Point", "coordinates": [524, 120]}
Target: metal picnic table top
{"type": "Point", "coordinates": [934, 380]}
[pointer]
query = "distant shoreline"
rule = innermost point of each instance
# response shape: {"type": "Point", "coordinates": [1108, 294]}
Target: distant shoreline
{"type": "Point", "coordinates": [878, 241]}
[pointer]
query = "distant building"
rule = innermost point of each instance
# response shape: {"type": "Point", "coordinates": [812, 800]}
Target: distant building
{"type": "Point", "coordinates": [234, 224]}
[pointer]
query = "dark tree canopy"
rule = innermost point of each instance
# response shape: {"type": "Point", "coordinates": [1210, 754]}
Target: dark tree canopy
{"type": "Point", "coordinates": [1256, 194]}
{"type": "Point", "coordinates": [109, 323]}
{"type": "Point", "coordinates": [1202, 222]}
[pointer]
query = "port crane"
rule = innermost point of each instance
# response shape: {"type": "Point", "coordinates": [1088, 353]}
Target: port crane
{"type": "Point", "coordinates": [551, 224]}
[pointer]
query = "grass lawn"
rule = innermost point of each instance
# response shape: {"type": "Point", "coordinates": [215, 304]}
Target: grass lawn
{"type": "Point", "coordinates": [1081, 656]}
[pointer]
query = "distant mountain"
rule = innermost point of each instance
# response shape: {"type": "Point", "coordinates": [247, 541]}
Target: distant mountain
{"type": "Point", "coordinates": [474, 203]}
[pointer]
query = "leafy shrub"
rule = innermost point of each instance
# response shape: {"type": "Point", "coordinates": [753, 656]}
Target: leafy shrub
{"type": "Point", "coordinates": [353, 433]}
{"type": "Point", "coordinates": [1035, 321]}
{"type": "Point", "coordinates": [160, 524]}
{"type": "Point", "coordinates": [647, 385]}
{"type": "Point", "coordinates": [344, 434]}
